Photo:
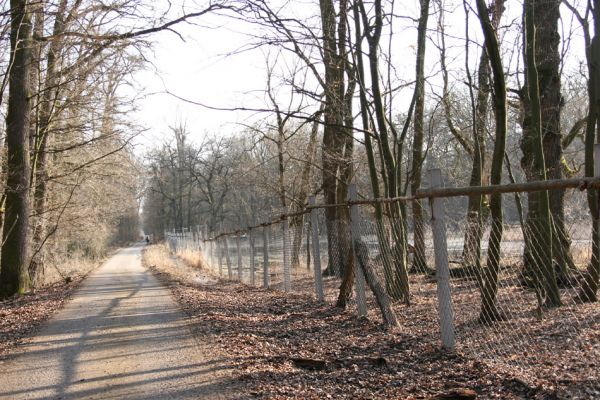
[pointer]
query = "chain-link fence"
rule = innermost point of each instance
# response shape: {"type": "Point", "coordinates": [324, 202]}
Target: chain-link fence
{"type": "Point", "coordinates": [511, 290]}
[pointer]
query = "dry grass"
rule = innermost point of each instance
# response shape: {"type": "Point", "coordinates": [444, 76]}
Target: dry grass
{"type": "Point", "coordinates": [183, 270]}
{"type": "Point", "coordinates": [192, 257]}
{"type": "Point", "coordinates": [67, 268]}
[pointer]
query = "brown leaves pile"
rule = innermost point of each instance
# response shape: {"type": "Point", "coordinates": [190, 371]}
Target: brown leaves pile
{"type": "Point", "coordinates": [288, 346]}
{"type": "Point", "coordinates": [21, 315]}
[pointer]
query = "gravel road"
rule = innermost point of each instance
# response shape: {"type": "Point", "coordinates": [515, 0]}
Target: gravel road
{"type": "Point", "coordinates": [121, 337]}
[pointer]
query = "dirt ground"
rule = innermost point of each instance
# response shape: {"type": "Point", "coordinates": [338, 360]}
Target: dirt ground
{"type": "Point", "coordinates": [20, 316]}
{"type": "Point", "coordinates": [120, 336]}
{"type": "Point", "coordinates": [288, 346]}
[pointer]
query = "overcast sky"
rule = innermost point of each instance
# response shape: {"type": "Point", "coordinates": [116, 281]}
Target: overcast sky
{"type": "Point", "coordinates": [199, 70]}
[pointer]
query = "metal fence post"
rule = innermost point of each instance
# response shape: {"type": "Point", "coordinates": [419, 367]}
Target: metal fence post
{"type": "Point", "coordinates": [266, 257]}
{"type": "Point", "coordinates": [252, 261]}
{"type": "Point", "coordinates": [359, 278]}
{"type": "Point", "coordinates": [440, 246]}
{"type": "Point", "coordinates": [314, 222]}
{"type": "Point", "coordinates": [287, 276]}
{"type": "Point", "coordinates": [239, 256]}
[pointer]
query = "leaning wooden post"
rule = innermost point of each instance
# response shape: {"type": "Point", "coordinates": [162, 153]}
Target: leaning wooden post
{"type": "Point", "coordinates": [252, 261]}
{"type": "Point", "coordinates": [239, 256]}
{"type": "Point", "coordinates": [359, 278]}
{"type": "Point", "coordinates": [266, 257]}
{"type": "Point", "coordinates": [314, 222]}
{"type": "Point", "coordinates": [287, 275]}
{"type": "Point", "coordinates": [440, 246]}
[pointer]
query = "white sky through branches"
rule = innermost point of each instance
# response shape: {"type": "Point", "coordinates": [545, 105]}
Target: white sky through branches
{"type": "Point", "coordinates": [208, 67]}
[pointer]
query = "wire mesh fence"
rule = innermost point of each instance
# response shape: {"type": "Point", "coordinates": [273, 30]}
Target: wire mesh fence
{"type": "Point", "coordinates": [509, 292]}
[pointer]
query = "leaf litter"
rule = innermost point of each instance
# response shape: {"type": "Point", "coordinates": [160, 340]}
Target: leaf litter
{"type": "Point", "coordinates": [289, 346]}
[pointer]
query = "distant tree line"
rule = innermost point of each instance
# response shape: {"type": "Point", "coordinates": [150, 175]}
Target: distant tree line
{"type": "Point", "coordinates": [70, 182]}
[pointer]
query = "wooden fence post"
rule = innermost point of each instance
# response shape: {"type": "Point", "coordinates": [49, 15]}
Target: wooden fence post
{"type": "Point", "coordinates": [252, 261]}
{"type": "Point", "coordinates": [440, 246]}
{"type": "Point", "coordinates": [219, 256]}
{"type": "Point", "coordinates": [205, 247]}
{"type": "Point", "coordinates": [314, 222]}
{"type": "Point", "coordinates": [199, 240]}
{"type": "Point", "coordinates": [239, 256]}
{"type": "Point", "coordinates": [359, 278]}
{"type": "Point", "coordinates": [287, 276]}
{"type": "Point", "coordinates": [265, 257]}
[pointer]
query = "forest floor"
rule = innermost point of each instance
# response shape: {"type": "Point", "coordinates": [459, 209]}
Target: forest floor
{"type": "Point", "coordinates": [288, 346]}
{"type": "Point", "coordinates": [20, 316]}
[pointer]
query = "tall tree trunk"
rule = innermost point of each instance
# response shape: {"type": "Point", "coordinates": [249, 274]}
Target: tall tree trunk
{"type": "Point", "coordinates": [540, 220]}
{"type": "Point", "coordinates": [298, 222]}
{"type": "Point", "coordinates": [400, 285]}
{"type": "Point", "coordinates": [346, 163]}
{"type": "Point", "coordinates": [14, 256]}
{"type": "Point", "coordinates": [591, 282]}
{"type": "Point", "coordinates": [384, 245]}
{"type": "Point", "coordinates": [419, 262]}
{"type": "Point", "coordinates": [489, 289]}
{"type": "Point", "coordinates": [477, 207]}
{"type": "Point", "coordinates": [546, 16]}
{"type": "Point", "coordinates": [40, 161]}
{"type": "Point", "coordinates": [333, 135]}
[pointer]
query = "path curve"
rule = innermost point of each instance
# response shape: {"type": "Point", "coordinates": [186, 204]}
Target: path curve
{"type": "Point", "coordinates": [121, 337]}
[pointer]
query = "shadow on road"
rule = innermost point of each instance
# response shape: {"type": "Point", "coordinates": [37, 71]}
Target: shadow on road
{"type": "Point", "coordinates": [121, 336]}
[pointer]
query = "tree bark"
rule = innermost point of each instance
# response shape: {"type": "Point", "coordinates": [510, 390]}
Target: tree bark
{"type": "Point", "coordinates": [334, 132]}
{"type": "Point", "coordinates": [346, 163]}
{"type": "Point", "coordinates": [14, 256]}
{"type": "Point", "coordinates": [382, 239]}
{"type": "Point", "coordinates": [540, 220]}
{"type": "Point", "coordinates": [477, 207]}
{"type": "Point", "coordinates": [398, 284]}
{"type": "Point", "coordinates": [591, 282]}
{"type": "Point", "coordinates": [46, 108]}
{"type": "Point", "coordinates": [489, 289]}
{"type": "Point", "coordinates": [298, 222]}
{"type": "Point", "coordinates": [419, 262]}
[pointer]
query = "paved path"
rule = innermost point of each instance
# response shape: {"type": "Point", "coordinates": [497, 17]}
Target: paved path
{"type": "Point", "coordinates": [120, 337]}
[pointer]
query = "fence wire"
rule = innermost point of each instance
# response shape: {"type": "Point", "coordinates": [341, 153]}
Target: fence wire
{"type": "Point", "coordinates": [518, 307]}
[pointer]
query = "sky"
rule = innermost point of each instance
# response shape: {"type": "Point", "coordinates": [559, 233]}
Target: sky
{"type": "Point", "coordinates": [197, 69]}
{"type": "Point", "coordinates": [204, 66]}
